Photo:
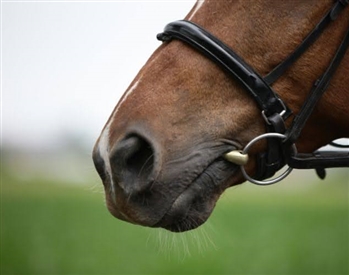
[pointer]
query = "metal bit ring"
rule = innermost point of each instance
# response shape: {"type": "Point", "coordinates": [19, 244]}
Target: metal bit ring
{"type": "Point", "coordinates": [274, 180]}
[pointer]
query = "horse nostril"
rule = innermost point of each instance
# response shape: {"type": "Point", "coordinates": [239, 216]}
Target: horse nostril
{"type": "Point", "coordinates": [132, 163]}
{"type": "Point", "coordinates": [140, 159]}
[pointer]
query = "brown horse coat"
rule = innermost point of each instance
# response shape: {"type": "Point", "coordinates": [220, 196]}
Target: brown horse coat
{"type": "Point", "coordinates": [160, 154]}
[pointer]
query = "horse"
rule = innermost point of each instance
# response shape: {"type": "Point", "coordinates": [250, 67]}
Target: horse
{"type": "Point", "coordinates": [178, 137]}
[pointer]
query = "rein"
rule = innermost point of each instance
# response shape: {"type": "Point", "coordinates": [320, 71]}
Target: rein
{"type": "Point", "coordinates": [281, 147]}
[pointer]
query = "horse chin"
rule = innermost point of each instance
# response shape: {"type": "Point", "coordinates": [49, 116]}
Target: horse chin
{"type": "Point", "coordinates": [195, 204]}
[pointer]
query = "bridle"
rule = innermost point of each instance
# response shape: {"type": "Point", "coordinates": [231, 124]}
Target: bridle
{"type": "Point", "coordinates": [281, 147]}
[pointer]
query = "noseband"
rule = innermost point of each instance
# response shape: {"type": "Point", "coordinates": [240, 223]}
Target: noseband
{"type": "Point", "coordinates": [281, 149]}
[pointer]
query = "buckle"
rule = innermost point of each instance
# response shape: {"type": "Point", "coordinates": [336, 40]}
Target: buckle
{"type": "Point", "coordinates": [282, 113]}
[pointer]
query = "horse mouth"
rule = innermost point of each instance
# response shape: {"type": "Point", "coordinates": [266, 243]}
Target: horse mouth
{"type": "Point", "coordinates": [195, 204]}
{"type": "Point", "coordinates": [181, 198]}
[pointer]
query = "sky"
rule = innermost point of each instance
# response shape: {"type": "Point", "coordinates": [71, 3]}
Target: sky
{"type": "Point", "coordinates": [65, 64]}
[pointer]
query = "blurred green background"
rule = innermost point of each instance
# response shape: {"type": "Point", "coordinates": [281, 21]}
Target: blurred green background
{"type": "Point", "coordinates": [53, 222]}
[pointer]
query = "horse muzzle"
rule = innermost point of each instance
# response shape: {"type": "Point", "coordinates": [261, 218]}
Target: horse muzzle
{"type": "Point", "coordinates": [146, 186]}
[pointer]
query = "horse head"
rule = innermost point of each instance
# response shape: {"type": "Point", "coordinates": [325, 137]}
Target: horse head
{"type": "Point", "coordinates": [161, 153]}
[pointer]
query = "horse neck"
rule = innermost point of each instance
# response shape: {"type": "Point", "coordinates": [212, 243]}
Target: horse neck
{"type": "Point", "coordinates": [265, 33]}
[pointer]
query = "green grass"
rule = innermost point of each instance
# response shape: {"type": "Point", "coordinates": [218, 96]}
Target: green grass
{"type": "Point", "coordinates": [52, 228]}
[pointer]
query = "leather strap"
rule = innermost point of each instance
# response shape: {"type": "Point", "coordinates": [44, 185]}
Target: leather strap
{"type": "Point", "coordinates": [272, 160]}
{"type": "Point", "coordinates": [217, 51]}
{"type": "Point", "coordinates": [319, 160]}
{"type": "Point", "coordinates": [273, 108]}
{"type": "Point", "coordinates": [331, 15]}
{"type": "Point", "coordinates": [319, 88]}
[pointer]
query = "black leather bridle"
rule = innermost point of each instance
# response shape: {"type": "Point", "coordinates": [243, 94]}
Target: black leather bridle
{"type": "Point", "coordinates": [281, 149]}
